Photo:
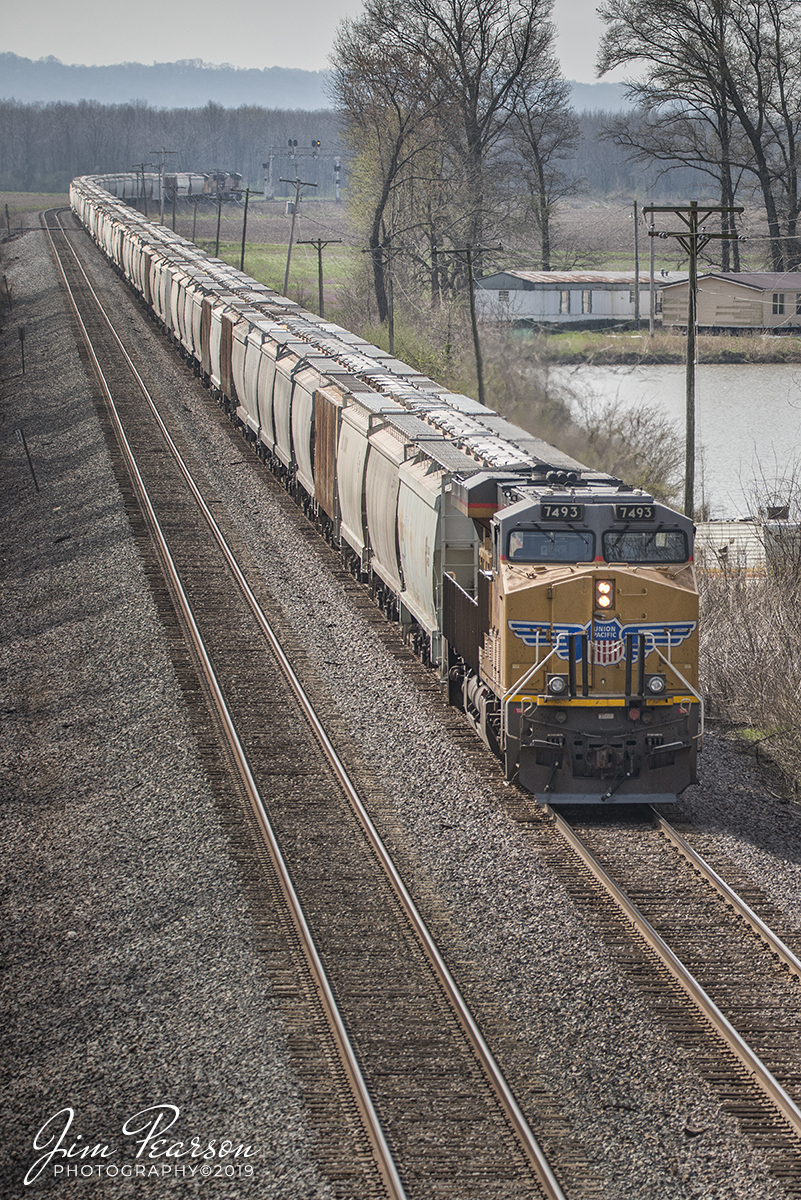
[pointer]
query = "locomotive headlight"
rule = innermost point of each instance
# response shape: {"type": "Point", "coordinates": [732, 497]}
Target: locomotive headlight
{"type": "Point", "coordinates": [557, 684]}
{"type": "Point", "coordinates": [655, 684]}
{"type": "Point", "coordinates": [604, 593]}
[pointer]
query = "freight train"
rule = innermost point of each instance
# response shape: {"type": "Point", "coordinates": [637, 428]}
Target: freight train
{"type": "Point", "coordinates": [558, 605]}
{"type": "Point", "coordinates": [209, 185]}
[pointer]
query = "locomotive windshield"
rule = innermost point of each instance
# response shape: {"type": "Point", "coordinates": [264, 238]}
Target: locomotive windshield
{"type": "Point", "coordinates": [642, 545]}
{"type": "Point", "coordinates": [551, 545]}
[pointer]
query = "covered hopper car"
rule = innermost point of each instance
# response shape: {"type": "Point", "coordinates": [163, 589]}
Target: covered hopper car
{"type": "Point", "coordinates": [558, 604]}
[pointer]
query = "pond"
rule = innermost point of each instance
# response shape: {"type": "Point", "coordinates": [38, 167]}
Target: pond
{"type": "Point", "coordinates": [748, 422]}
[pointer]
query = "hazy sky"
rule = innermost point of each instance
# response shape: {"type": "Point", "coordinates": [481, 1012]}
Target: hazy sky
{"type": "Point", "coordinates": [249, 33]}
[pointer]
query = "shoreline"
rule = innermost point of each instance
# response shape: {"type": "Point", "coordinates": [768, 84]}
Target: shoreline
{"type": "Point", "coordinates": [607, 349]}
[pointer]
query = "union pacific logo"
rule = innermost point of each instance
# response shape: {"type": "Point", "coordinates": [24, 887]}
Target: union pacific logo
{"type": "Point", "coordinates": [657, 633]}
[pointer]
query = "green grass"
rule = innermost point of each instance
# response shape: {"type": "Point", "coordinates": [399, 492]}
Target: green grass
{"type": "Point", "coordinates": [749, 734]}
{"type": "Point", "coordinates": [267, 264]}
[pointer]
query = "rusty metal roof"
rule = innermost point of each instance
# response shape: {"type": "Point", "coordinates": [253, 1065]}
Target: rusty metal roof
{"type": "Point", "coordinates": [561, 278]}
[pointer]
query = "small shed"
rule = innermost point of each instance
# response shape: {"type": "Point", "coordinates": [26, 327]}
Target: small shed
{"type": "Point", "coordinates": [563, 297]}
{"type": "Point", "coordinates": [758, 300]}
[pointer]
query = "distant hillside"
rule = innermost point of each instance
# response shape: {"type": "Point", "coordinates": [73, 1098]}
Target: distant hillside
{"type": "Point", "coordinates": [590, 97]}
{"type": "Point", "coordinates": [185, 84]}
{"type": "Point", "coordinates": [191, 83]}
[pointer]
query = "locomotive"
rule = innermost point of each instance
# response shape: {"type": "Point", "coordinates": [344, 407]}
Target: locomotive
{"type": "Point", "coordinates": [558, 605]}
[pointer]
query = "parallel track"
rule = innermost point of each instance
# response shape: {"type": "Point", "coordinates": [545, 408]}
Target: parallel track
{"type": "Point", "coordinates": [501, 1157]}
{"type": "Point", "coordinates": [741, 976]}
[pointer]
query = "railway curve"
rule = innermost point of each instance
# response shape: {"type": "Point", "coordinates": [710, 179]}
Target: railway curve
{"type": "Point", "coordinates": [619, 1119]}
{"type": "Point", "coordinates": [203, 595]}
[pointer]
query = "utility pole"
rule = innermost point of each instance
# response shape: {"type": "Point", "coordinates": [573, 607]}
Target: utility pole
{"type": "Point", "coordinates": [320, 244]}
{"type": "Point", "coordinates": [469, 251]}
{"type": "Point", "coordinates": [692, 239]}
{"type": "Point", "coordinates": [298, 185]}
{"type": "Point", "coordinates": [636, 267]}
{"type": "Point", "coordinates": [219, 218]}
{"type": "Point", "coordinates": [141, 167]}
{"type": "Point", "coordinates": [651, 295]}
{"type": "Point", "coordinates": [391, 299]}
{"type": "Point", "coordinates": [218, 176]}
{"type": "Point", "coordinates": [244, 230]}
{"type": "Point", "coordinates": [163, 153]}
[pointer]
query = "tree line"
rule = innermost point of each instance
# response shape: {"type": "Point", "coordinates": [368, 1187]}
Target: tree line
{"type": "Point", "coordinates": [44, 146]}
{"type": "Point", "coordinates": [461, 133]}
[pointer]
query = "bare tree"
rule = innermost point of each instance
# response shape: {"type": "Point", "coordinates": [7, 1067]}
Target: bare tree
{"type": "Point", "coordinates": [722, 89]}
{"type": "Point", "coordinates": [477, 59]}
{"type": "Point", "coordinates": [390, 104]}
{"type": "Point", "coordinates": [545, 134]}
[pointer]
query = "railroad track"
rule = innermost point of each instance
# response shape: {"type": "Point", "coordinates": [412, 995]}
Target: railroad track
{"type": "Point", "coordinates": [725, 978]}
{"type": "Point", "coordinates": [407, 1095]}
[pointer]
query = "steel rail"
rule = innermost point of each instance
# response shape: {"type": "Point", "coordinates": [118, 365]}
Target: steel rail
{"type": "Point", "coordinates": [531, 1148]}
{"type": "Point", "coordinates": [381, 1151]}
{"type": "Point", "coordinates": [772, 940]}
{"type": "Point", "coordinates": [753, 1064]}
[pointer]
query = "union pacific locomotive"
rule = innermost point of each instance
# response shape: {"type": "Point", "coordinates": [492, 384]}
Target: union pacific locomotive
{"type": "Point", "coordinates": [559, 605]}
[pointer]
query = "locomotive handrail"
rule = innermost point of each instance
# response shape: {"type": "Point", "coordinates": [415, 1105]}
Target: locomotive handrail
{"type": "Point", "coordinates": [700, 735]}
{"type": "Point", "coordinates": [520, 683]}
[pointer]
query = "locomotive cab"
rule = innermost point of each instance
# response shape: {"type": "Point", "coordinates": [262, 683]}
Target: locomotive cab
{"type": "Point", "coordinates": [587, 664]}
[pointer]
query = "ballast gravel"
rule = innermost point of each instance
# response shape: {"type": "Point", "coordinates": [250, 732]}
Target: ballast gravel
{"type": "Point", "coordinates": [130, 978]}
{"type": "Point", "coordinates": [131, 986]}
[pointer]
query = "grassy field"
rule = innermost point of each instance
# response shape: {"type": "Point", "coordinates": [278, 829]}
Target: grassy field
{"type": "Point", "coordinates": [21, 209]}
{"type": "Point", "coordinates": [267, 264]}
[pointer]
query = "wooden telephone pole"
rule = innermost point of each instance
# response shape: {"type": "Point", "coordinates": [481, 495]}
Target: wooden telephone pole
{"type": "Point", "coordinates": [163, 152]}
{"type": "Point", "coordinates": [298, 185]}
{"type": "Point", "coordinates": [320, 244]}
{"type": "Point", "coordinates": [469, 251]}
{"type": "Point", "coordinates": [693, 237]}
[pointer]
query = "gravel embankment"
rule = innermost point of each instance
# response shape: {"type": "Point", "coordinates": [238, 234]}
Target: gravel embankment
{"type": "Point", "coordinates": [130, 977]}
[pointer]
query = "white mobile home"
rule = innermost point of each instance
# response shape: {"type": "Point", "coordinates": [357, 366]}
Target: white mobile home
{"type": "Point", "coordinates": [752, 545]}
{"type": "Point", "coordinates": [563, 297]}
